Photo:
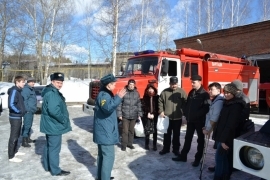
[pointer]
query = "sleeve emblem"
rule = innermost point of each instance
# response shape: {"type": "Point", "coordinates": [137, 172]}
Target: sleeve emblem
{"type": "Point", "coordinates": [103, 102]}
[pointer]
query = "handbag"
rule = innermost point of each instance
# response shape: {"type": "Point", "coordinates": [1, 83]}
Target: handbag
{"type": "Point", "coordinates": [139, 131]}
{"type": "Point", "coordinates": [163, 124]}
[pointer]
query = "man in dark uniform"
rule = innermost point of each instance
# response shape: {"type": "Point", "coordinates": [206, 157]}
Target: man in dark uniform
{"type": "Point", "coordinates": [105, 130]}
{"type": "Point", "coordinates": [54, 122]}
{"type": "Point", "coordinates": [197, 106]}
{"type": "Point", "coordinates": [30, 102]}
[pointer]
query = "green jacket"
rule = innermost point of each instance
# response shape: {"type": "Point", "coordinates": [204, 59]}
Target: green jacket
{"type": "Point", "coordinates": [54, 116]}
{"type": "Point", "coordinates": [172, 102]}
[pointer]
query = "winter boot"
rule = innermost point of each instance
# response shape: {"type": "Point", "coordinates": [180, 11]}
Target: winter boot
{"type": "Point", "coordinates": [146, 146]}
{"type": "Point", "coordinates": [25, 142]}
{"type": "Point", "coordinates": [154, 145]}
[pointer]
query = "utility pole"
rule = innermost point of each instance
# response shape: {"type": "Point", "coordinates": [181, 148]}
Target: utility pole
{"type": "Point", "coordinates": [115, 31]}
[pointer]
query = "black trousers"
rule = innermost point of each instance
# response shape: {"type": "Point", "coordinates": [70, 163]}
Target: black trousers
{"type": "Point", "coordinates": [147, 136]}
{"type": "Point", "coordinates": [191, 127]}
{"type": "Point", "coordinates": [128, 132]}
{"type": "Point", "coordinates": [174, 126]}
{"type": "Point", "coordinates": [15, 129]}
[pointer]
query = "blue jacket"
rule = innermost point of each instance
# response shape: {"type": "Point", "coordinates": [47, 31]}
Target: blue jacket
{"type": "Point", "coordinates": [15, 103]}
{"type": "Point", "coordinates": [30, 99]}
{"type": "Point", "coordinates": [54, 116]}
{"type": "Point", "coordinates": [214, 111]}
{"type": "Point", "coordinates": [105, 119]}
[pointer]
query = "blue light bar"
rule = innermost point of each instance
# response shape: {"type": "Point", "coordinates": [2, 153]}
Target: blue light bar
{"type": "Point", "coordinates": [144, 52]}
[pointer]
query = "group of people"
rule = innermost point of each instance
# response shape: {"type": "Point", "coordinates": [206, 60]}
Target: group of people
{"type": "Point", "coordinates": [205, 111]}
{"type": "Point", "coordinates": [54, 120]}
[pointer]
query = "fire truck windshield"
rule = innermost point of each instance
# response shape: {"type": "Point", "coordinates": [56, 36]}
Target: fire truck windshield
{"type": "Point", "coordinates": [141, 66]}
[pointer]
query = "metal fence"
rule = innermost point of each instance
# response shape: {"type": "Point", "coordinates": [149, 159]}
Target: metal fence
{"type": "Point", "coordinates": [8, 75]}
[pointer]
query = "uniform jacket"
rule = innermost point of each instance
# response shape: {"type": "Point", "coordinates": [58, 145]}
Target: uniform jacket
{"type": "Point", "coordinates": [214, 111]}
{"type": "Point", "coordinates": [54, 116]}
{"type": "Point", "coordinates": [15, 103]}
{"type": "Point", "coordinates": [105, 129]}
{"type": "Point", "coordinates": [228, 121]}
{"type": "Point", "coordinates": [130, 107]}
{"type": "Point", "coordinates": [29, 98]}
{"type": "Point", "coordinates": [171, 102]}
{"type": "Point", "coordinates": [197, 105]}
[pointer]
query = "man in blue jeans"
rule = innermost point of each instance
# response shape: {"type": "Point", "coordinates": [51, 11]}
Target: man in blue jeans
{"type": "Point", "coordinates": [30, 102]}
{"type": "Point", "coordinates": [105, 131]}
{"type": "Point", "coordinates": [16, 112]}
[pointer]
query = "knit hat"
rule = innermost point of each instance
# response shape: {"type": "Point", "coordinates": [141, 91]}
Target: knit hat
{"type": "Point", "coordinates": [238, 84]}
{"type": "Point", "coordinates": [231, 88]}
{"type": "Point", "coordinates": [57, 76]}
{"type": "Point", "coordinates": [173, 80]}
{"type": "Point", "coordinates": [196, 78]}
{"type": "Point", "coordinates": [31, 79]}
{"type": "Point", "coordinates": [131, 81]}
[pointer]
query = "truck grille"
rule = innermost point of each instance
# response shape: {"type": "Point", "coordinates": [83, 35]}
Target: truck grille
{"type": "Point", "coordinates": [259, 138]}
{"type": "Point", "coordinates": [94, 89]}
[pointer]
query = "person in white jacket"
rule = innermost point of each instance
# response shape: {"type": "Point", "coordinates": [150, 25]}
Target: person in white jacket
{"type": "Point", "coordinates": [215, 107]}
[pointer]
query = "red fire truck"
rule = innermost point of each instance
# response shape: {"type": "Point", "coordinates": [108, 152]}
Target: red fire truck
{"type": "Point", "coordinates": [157, 67]}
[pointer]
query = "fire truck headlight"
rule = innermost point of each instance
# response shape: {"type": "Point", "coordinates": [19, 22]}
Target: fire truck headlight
{"type": "Point", "coordinates": [254, 158]}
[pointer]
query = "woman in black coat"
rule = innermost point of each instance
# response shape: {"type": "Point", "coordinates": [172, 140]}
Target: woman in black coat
{"type": "Point", "coordinates": [225, 132]}
{"type": "Point", "coordinates": [150, 115]}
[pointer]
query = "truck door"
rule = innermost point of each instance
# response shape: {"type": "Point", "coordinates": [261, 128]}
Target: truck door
{"type": "Point", "coordinates": [169, 67]}
{"type": "Point", "coordinates": [189, 69]}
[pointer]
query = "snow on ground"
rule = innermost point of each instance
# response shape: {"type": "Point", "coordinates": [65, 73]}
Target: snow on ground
{"type": "Point", "coordinates": [79, 153]}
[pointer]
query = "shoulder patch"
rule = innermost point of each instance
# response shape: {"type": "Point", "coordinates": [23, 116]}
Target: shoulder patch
{"type": "Point", "coordinates": [103, 102]}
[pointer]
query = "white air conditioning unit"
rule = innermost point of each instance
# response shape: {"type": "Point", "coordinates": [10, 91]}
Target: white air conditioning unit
{"type": "Point", "coordinates": [251, 154]}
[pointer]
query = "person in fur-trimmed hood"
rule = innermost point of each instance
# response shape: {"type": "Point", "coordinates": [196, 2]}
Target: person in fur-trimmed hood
{"type": "Point", "coordinates": [225, 131]}
{"type": "Point", "coordinates": [150, 114]}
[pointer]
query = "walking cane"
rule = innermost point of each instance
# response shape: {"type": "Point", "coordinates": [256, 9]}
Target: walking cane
{"type": "Point", "coordinates": [206, 141]}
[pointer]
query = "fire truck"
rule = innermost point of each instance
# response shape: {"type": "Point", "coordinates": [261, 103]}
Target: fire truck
{"type": "Point", "coordinates": [157, 68]}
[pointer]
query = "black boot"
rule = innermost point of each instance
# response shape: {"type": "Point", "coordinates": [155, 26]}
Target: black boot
{"type": "Point", "coordinates": [154, 141]}
{"type": "Point", "coordinates": [30, 140]}
{"type": "Point", "coordinates": [146, 146]}
{"type": "Point", "coordinates": [25, 142]}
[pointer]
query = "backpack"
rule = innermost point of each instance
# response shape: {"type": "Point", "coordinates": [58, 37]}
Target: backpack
{"type": "Point", "coordinates": [247, 126]}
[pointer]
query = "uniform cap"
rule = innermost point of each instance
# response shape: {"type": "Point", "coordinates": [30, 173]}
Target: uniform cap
{"type": "Point", "coordinates": [238, 84]}
{"type": "Point", "coordinates": [107, 79]}
{"type": "Point", "coordinates": [231, 88]}
{"type": "Point", "coordinates": [57, 76]}
{"type": "Point", "coordinates": [31, 79]}
{"type": "Point", "coordinates": [196, 78]}
{"type": "Point", "coordinates": [173, 80]}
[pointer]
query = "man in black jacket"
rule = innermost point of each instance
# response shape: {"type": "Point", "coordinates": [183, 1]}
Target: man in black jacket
{"type": "Point", "coordinates": [16, 112]}
{"type": "Point", "coordinates": [195, 112]}
{"type": "Point", "coordinates": [129, 111]}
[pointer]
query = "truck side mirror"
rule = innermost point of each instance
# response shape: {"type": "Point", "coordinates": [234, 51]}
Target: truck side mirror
{"type": "Point", "coordinates": [164, 67]}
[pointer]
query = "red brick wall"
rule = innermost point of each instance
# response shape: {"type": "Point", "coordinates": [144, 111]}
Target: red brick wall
{"type": "Point", "coordinates": [243, 40]}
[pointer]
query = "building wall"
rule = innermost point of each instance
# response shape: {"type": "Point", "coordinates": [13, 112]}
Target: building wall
{"type": "Point", "coordinates": [243, 40]}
